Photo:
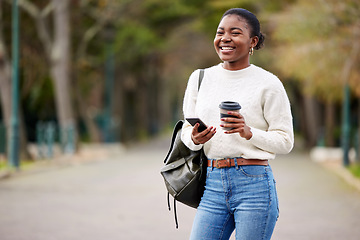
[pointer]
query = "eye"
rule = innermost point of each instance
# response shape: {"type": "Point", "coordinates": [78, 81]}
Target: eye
{"type": "Point", "coordinates": [236, 33]}
{"type": "Point", "coordinates": [219, 32]}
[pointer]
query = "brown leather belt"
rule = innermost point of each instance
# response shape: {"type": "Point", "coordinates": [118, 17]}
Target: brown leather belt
{"type": "Point", "coordinates": [230, 162]}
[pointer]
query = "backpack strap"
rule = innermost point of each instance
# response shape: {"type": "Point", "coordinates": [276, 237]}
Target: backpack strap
{"type": "Point", "coordinates": [201, 76]}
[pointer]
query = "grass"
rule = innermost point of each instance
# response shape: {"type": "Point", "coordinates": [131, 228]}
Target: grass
{"type": "Point", "coordinates": [2, 165]}
{"type": "Point", "coordinates": [24, 164]}
{"type": "Point", "coordinates": [355, 170]}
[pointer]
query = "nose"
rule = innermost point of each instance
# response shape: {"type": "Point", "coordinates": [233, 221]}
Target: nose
{"type": "Point", "coordinates": [225, 38]}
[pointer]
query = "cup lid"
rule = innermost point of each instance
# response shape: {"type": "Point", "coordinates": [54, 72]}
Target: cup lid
{"type": "Point", "coordinates": [229, 105]}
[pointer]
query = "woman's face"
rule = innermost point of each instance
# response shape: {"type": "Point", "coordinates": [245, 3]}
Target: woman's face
{"type": "Point", "coordinates": [233, 42]}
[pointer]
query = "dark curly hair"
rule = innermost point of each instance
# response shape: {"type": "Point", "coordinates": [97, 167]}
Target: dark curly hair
{"type": "Point", "coordinates": [251, 20]}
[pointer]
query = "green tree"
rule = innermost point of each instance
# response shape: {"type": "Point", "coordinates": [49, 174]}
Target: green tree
{"type": "Point", "coordinates": [318, 45]}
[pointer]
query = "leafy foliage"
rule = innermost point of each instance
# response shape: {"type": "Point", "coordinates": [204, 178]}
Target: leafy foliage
{"type": "Point", "coordinates": [315, 39]}
{"type": "Point", "coordinates": [158, 43]}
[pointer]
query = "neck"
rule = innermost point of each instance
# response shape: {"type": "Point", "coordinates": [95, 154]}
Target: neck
{"type": "Point", "coordinates": [233, 66]}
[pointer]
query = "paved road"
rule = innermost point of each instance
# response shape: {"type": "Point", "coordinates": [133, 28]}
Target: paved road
{"type": "Point", "coordinates": [124, 198]}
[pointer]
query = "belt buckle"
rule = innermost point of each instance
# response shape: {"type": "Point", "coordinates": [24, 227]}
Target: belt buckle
{"type": "Point", "coordinates": [227, 162]}
{"type": "Point", "coordinates": [217, 164]}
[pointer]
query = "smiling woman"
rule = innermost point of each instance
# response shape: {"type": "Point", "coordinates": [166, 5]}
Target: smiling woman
{"type": "Point", "coordinates": [240, 190]}
{"type": "Point", "coordinates": [236, 38]}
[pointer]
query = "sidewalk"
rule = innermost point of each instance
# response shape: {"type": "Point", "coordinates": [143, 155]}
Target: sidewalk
{"type": "Point", "coordinates": [315, 203]}
{"type": "Point", "coordinates": [122, 196]}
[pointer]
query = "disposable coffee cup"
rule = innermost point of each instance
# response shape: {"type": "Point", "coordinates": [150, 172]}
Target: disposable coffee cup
{"type": "Point", "coordinates": [227, 106]}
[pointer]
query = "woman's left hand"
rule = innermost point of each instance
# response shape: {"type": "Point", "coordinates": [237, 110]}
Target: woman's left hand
{"type": "Point", "coordinates": [237, 125]}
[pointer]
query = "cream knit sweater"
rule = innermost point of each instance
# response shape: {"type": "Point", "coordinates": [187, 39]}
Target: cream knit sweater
{"type": "Point", "coordinates": [265, 107]}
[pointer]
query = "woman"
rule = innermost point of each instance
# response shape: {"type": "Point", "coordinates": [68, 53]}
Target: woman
{"type": "Point", "coordinates": [240, 194]}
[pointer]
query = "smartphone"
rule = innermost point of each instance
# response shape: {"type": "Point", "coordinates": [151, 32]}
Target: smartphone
{"type": "Point", "coordinates": [193, 121]}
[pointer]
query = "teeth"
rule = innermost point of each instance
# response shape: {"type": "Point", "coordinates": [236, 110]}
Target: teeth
{"type": "Point", "coordinates": [227, 48]}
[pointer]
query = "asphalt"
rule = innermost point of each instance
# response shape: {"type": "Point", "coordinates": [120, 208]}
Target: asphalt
{"type": "Point", "coordinates": [121, 195]}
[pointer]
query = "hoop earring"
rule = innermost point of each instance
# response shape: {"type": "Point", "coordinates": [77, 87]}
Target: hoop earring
{"type": "Point", "coordinates": [251, 52]}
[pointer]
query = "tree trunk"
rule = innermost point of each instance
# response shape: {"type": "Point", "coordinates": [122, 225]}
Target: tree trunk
{"type": "Point", "coordinates": [118, 108]}
{"type": "Point", "coordinates": [5, 86]}
{"type": "Point", "coordinates": [142, 116]}
{"type": "Point", "coordinates": [329, 124]}
{"type": "Point", "coordinates": [60, 66]}
{"type": "Point", "coordinates": [5, 78]}
{"type": "Point", "coordinates": [93, 130]}
{"type": "Point", "coordinates": [311, 117]}
{"type": "Point", "coordinates": [358, 134]}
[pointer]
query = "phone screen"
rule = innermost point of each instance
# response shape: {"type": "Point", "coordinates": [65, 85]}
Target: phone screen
{"type": "Point", "coordinates": [193, 121]}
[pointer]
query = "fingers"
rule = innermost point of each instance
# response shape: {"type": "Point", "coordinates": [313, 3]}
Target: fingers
{"type": "Point", "coordinates": [204, 136]}
{"type": "Point", "coordinates": [235, 114]}
{"type": "Point", "coordinates": [195, 128]}
{"type": "Point", "coordinates": [236, 124]}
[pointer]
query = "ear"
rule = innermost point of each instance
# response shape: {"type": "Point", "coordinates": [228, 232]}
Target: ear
{"type": "Point", "coordinates": [254, 41]}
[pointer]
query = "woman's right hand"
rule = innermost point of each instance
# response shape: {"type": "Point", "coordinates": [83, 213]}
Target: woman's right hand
{"type": "Point", "coordinates": [202, 137]}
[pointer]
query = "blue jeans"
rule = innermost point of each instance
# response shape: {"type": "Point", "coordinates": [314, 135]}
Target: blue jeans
{"type": "Point", "coordinates": [242, 198]}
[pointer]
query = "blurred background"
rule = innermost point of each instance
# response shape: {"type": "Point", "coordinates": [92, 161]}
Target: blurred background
{"type": "Point", "coordinates": [115, 71]}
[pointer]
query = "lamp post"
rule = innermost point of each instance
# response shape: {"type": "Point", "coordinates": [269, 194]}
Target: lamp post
{"type": "Point", "coordinates": [14, 123]}
{"type": "Point", "coordinates": [346, 126]}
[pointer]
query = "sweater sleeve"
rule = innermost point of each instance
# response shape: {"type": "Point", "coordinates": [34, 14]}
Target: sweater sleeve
{"type": "Point", "coordinates": [279, 137]}
{"type": "Point", "coordinates": [189, 105]}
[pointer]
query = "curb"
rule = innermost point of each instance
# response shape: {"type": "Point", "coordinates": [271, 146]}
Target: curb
{"type": "Point", "coordinates": [331, 158]}
{"type": "Point", "coordinates": [342, 172]}
{"type": "Point", "coordinates": [86, 154]}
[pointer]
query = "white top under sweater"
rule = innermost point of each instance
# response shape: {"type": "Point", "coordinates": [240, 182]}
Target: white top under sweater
{"type": "Point", "coordinates": [264, 105]}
